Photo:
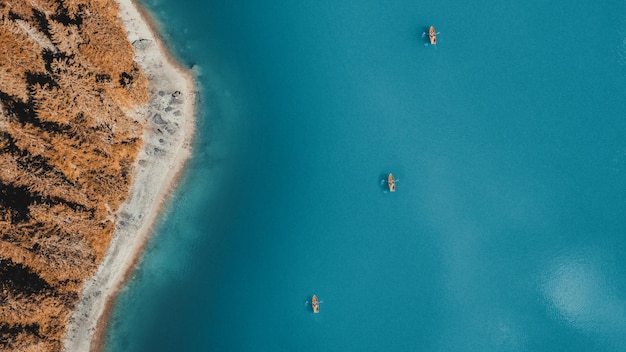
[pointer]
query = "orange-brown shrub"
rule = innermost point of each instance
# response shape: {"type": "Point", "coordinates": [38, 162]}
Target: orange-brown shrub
{"type": "Point", "coordinates": [66, 149]}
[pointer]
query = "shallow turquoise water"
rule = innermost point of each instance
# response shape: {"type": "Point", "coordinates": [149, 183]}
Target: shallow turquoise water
{"type": "Point", "coordinates": [508, 228]}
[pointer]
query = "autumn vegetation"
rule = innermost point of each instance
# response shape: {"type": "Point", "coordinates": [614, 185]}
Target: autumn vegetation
{"type": "Point", "coordinates": [68, 142]}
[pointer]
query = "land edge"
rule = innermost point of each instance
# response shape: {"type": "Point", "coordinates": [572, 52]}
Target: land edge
{"type": "Point", "coordinates": [138, 23]}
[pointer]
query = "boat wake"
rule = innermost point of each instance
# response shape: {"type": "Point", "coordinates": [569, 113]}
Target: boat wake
{"type": "Point", "coordinates": [424, 34]}
{"type": "Point", "coordinates": [306, 303]}
{"type": "Point", "coordinates": [384, 181]}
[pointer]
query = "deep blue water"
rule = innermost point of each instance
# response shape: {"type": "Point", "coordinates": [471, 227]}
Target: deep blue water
{"type": "Point", "coordinates": [507, 231]}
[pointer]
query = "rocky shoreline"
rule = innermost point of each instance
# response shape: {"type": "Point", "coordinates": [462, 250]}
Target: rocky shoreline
{"type": "Point", "coordinates": [167, 145]}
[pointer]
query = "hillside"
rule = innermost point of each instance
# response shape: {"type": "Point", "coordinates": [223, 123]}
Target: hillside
{"type": "Point", "coordinates": [68, 141]}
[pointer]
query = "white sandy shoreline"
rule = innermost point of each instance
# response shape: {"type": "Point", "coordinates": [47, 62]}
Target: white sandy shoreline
{"type": "Point", "coordinates": [169, 125]}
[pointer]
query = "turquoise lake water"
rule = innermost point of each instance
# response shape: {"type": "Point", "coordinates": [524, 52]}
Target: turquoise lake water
{"type": "Point", "coordinates": [507, 231]}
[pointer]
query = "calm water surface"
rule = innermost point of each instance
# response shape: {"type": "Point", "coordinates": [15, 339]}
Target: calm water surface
{"type": "Point", "coordinates": [507, 231]}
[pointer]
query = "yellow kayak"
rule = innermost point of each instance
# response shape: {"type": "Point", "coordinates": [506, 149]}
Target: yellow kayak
{"type": "Point", "coordinates": [391, 182]}
{"type": "Point", "coordinates": [432, 35]}
{"type": "Point", "coordinates": [315, 304]}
